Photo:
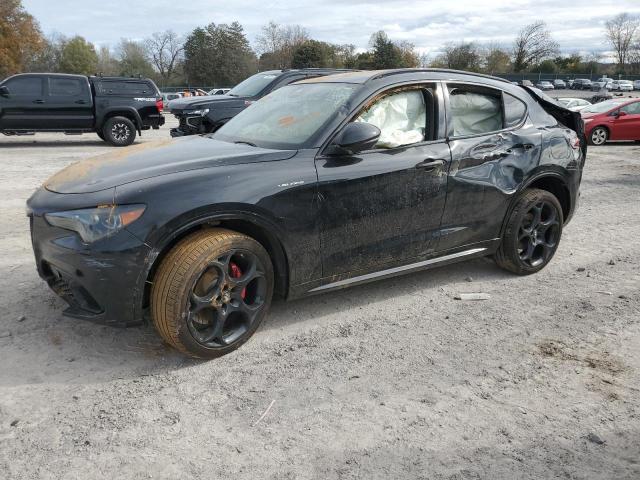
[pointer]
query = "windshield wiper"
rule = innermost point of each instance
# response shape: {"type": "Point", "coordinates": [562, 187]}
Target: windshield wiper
{"type": "Point", "coordinates": [246, 143]}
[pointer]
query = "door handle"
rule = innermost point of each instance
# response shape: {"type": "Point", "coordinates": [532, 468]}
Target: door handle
{"type": "Point", "coordinates": [430, 164]}
{"type": "Point", "coordinates": [38, 101]}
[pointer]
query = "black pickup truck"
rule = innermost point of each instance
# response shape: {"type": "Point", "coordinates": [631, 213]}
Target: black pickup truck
{"type": "Point", "coordinates": [207, 114]}
{"type": "Point", "coordinates": [113, 107]}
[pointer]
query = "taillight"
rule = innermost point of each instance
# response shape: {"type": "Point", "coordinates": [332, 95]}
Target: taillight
{"type": "Point", "coordinates": [159, 105]}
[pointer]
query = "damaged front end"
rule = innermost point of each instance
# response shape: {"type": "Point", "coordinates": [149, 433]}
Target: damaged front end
{"type": "Point", "coordinates": [192, 122]}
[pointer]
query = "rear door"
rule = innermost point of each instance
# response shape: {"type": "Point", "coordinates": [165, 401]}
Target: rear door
{"type": "Point", "coordinates": [492, 145]}
{"type": "Point", "coordinates": [69, 102]}
{"type": "Point", "coordinates": [627, 126]}
{"type": "Point", "coordinates": [24, 107]}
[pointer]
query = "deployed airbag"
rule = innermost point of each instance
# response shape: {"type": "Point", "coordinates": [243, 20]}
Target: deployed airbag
{"type": "Point", "coordinates": [401, 118]}
{"type": "Point", "coordinates": [475, 113]}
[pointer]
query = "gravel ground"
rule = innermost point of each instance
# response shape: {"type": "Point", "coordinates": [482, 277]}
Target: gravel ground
{"type": "Point", "coordinates": [395, 379]}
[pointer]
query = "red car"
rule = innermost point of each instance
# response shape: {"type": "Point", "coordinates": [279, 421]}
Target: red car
{"type": "Point", "coordinates": [617, 119]}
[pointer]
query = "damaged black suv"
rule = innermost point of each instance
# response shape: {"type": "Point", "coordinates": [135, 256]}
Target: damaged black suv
{"type": "Point", "coordinates": [320, 185]}
{"type": "Point", "coordinates": [199, 115]}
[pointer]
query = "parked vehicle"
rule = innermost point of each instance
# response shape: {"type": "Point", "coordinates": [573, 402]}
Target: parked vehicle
{"type": "Point", "coordinates": [570, 83]}
{"type": "Point", "coordinates": [545, 85]}
{"type": "Point", "coordinates": [169, 96]}
{"type": "Point", "coordinates": [615, 119]}
{"type": "Point", "coordinates": [320, 185]}
{"type": "Point", "coordinates": [559, 83]}
{"type": "Point", "coordinates": [219, 91]}
{"type": "Point", "coordinates": [581, 84]}
{"type": "Point", "coordinates": [574, 104]}
{"type": "Point", "coordinates": [636, 84]}
{"type": "Point", "coordinates": [207, 114]}
{"type": "Point", "coordinates": [622, 85]}
{"type": "Point", "coordinates": [112, 107]}
{"type": "Point", "coordinates": [525, 83]}
{"type": "Point", "coordinates": [601, 83]}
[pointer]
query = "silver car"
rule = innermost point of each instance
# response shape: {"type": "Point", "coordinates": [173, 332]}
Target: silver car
{"type": "Point", "coordinates": [574, 104]}
{"type": "Point", "coordinates": [622, 85]}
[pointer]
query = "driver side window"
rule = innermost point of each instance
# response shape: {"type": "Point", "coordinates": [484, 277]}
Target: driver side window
{"type": "Point", "coordinates": [400, 116]}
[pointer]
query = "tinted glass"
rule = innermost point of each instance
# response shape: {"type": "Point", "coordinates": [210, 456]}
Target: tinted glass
{"type": "Point", "coordinates": [475, 111]}
{"type": "Point", "coordinates": [126, 88]}
{"type": "Point", "coordinates": [287, 117]}
{"type": "Point", "coordinates": [65, 87]}
{"type": "Point", "coordinates": [514, 110]}
{"type": "Point", "coordinates": [252, 85]}
{"type": "Point", "coordinates": [22, 86]}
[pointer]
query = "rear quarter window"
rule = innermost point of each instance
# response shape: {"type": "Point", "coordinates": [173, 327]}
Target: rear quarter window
{"type": "Point", "coordinates": [514, 110]}
{"type": "Point", "coordinates": [125, 88]}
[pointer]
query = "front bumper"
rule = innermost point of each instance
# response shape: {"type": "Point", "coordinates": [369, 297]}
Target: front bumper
{"type": "Point", "coordinates": [99, 282]}
{"type": "Point", "coordinates": [189, 125]}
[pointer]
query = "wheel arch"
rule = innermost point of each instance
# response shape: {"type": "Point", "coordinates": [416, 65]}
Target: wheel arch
{"type": "Point", "coordinates": [260, 229]}
{"type": "Point", "coordinates": [551, 181]}
{"type": "Point", "coordinates": [130, 113]}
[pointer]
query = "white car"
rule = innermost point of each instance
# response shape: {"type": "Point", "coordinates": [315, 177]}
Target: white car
{"type": "Point", "coordinates": [574, 104]}
{"type": "Point", "coordinates": [622, 85]}
{"type": "Point", "coordinates": [602, 83]}
{"type": "Point", "coordinates": [636, 84]}
{"type": "Point", "coordinates": [218, 91]}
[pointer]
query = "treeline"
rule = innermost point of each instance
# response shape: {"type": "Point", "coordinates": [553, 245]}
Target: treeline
{"type": "Point", "coordinates": [221, 54]}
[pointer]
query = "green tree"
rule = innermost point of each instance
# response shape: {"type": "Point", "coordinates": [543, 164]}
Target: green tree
{"type": "Point", "coordinates": [384, 53]}
{"type": "Point", "coordinates": [460, 56]}
{"type": "Point", "coordinates": [78, 56]}
{"type": "Point", "coordinates": [497, 60]}
{"type": "Point", "coordinates": [546, 66]}
{"type": "Point", "coordinates": [312, 54]}
{"type": "Point", "coordinates": [218, 55]}
{"type": "Point", "coordinates": [20, 38]}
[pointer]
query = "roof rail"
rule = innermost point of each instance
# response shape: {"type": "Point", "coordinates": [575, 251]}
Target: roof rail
{"type": "Point", "coordinates": [386, 73]}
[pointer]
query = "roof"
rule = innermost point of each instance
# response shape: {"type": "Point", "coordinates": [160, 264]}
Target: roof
{"type": "Point", "coordinates": [364, 76]}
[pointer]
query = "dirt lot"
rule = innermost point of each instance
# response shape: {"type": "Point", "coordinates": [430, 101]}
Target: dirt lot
{"type": "Point", "coordinates": [394, 380]}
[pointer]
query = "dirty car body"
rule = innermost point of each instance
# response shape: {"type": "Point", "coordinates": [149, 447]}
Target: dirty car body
{"type": "Point", "coordinates": [439, 190]}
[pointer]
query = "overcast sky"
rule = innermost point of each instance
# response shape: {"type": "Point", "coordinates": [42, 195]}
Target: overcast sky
{"type": "Point", "coordinates": [576, 25]}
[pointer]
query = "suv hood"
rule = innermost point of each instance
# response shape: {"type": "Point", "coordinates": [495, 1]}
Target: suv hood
{"type": "Point", "coordinates": [152, 159]}
{"type": "Point", "coordinates": [193, 103]}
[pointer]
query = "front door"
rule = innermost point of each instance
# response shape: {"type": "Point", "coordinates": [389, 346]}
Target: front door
{"type": "Point", "coordinates": [24, 107]}
{"type": "Point", "coordinates": [383, 207]}
{"type": "Point", "coordinates": [627, 126]}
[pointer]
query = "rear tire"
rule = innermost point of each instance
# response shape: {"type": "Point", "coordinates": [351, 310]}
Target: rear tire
{"type": "Point", "coordinates": [119, 131]}
{"type": "Point", "coordinates": [211, 292]}
{"type": "Point", "coordinates": [533, 233]}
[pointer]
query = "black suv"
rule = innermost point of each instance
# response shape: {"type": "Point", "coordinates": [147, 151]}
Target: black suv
{"type": "Point", "coordinates": [207, 114]}
{"type": "Point", "coordinates": [321, 185]}
{"type": "Point", "coordinates": [581, 84]}
{"type": "Point", "coordinates": [113, 107]}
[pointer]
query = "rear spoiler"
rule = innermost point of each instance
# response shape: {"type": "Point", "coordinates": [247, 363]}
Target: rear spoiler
{"type": "Point", "coordinates": [566, 117]}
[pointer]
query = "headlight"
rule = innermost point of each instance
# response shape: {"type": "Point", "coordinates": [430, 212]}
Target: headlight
{"type": "Point", "coordinates": [95, 223]}
{"type": "Point", "coordinates": [201, 112]}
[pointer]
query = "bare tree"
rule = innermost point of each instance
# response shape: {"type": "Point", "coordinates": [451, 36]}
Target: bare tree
{"type": "Point", "coordinates": [165, 50]}
{"type": "Point", "coordinates": [533, 44]}
{"type": "Point", "coordinates": [620, 32]}
{"type": "Point", "coordinates": [277, 43]}
{"type": "Point", "coordinates": [460, 56]}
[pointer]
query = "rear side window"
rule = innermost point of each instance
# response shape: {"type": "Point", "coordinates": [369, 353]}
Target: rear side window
{"type": "Point", "coordinates": [475, 110]}
{"type": "Point", "coordinates": [126, 88]}
{"type": "Point", "coordinates": [65, 87]}
{"type": "Point", "coordinates": [24, 86]}
{"type": "Point", "coordinates": [514, 110]}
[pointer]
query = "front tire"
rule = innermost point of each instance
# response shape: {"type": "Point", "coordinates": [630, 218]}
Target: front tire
{"type": "Point", "coordinates": [599, 136]}
{"type": "Point", "coordinates": [533, 233]}
{"type": "Point", "coordinates": [211, 292]}
{"type": "Point", "coordinates": [119, 131]}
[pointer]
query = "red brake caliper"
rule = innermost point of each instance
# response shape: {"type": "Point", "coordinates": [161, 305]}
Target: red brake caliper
{"type": "Point", "coordinates": [237, 273]}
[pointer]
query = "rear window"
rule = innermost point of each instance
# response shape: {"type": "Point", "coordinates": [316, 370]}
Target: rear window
{"type": "Point", "coordinates": [65, 87]}
{"type": "Point", "coordinates": [108, 87]}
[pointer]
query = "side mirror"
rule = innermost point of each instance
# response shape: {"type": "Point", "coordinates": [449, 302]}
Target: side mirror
{"type": "Point", "coordinates": [620, 113]}
{"type": "Point", "coordinates": [4, 91]}
{"type": "Point", "coordinates": [355, 137]}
